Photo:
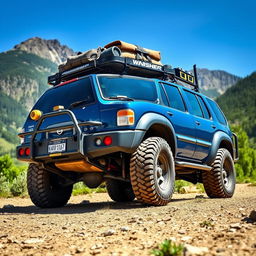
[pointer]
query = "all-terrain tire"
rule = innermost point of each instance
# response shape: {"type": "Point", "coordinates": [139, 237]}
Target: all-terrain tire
{"type": "Point", "coordinates": [221, 180]}
{"type": "Point", "coordinates": [120, 191]}
{"type": "Point", "coordinates": [152, 172]}
{"type": "Point", "coordinates": [45, 189]}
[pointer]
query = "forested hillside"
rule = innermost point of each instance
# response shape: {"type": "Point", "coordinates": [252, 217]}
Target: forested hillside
{"type": "Point", "coordinates": [239, 104]}
{"type": "Point", "coordinates": [23, 78]}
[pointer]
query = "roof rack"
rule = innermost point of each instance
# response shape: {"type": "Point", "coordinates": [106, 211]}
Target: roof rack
{"type": "Point", "coordinates": [128, 66]}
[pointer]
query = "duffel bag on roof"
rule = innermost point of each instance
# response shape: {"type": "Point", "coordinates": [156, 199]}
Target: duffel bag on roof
{"type": "Point", "coordinates": [80, 59]}
{"type": "Point", "coordinates": [136, 52]}
{"type": "Point", "coordinates": [116, 48]}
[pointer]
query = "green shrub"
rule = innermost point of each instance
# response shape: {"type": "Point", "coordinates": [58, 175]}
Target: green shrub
{"type": "Point", "coordinates": [181, 183]}
{"type": "Point", "coordinates": [81, 189]}
{"type": "Point", "coordinates": [168, 248]}
{"type": "Point", "coordinates": [12, 178]}
{"type": "Point", "coordinates": [19, 185]}
{"type": "Point", "coordinates": [4, 187]}
{"type": "Point", "coordinates": [246, 165]}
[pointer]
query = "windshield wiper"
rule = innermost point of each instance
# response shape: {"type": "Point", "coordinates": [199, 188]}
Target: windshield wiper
{"type": "Point", "coordinates": [77, 103]}
{"type": "Point", "coordinates": [121, 97]}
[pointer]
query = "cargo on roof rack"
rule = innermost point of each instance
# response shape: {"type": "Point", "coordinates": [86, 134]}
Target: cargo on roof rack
{"type": "Point", "coordinates": [122, 58]}
{"type": "Point", "coordinates": [127, 66]}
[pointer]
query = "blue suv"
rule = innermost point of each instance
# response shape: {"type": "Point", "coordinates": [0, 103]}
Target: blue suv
{"type": "Point", "coordinates": [135, 133]}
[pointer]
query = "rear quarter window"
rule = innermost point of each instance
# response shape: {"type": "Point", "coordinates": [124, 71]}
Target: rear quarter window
{"type": "Point", "coordinates": [217, 111]}
{"type": "Point", "coordinates": [175, 97]}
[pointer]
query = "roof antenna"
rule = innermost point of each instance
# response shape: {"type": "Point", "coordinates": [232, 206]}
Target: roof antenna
{"type": "Point", "coordinates": [196, 80]}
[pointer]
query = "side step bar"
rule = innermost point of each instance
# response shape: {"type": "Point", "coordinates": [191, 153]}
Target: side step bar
{"type": "Point", "coordinates": [193, 166]}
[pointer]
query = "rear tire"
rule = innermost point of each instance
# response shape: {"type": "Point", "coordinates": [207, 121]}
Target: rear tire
{"type": "Point", "coordinates": [152, 172]}
{"type": "Point", "coordinates": [120, 191]}
{"type": "Point", "coordinates": [220, 182]}
{"type": "Point", "coordinates": [44, 188]}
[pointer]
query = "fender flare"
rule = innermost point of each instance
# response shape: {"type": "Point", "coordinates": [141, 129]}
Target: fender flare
{"type": "Point", "coordinates": [218, 138]}
{"type": "Point", "coordinates": [149, 119]}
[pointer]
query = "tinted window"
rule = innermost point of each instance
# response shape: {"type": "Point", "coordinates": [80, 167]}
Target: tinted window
{"type": "Point", "coordinates": [164, 97]}
{"type": "Point", "coordinates": [174, 97]}
{"type": "Point", "coordinates": [204, 108]}
{"type": "Point", "coordinates": [196, 110]}
{"type": "Point", "coordinates": [220, 116]}
{"type": "Point", "coordinates": [138, 89]}
{"type": "Point", "coordinates": [65, 95]}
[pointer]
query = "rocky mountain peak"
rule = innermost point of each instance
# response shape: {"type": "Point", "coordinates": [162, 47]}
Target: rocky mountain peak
{"type": "Point", "coordinates": [218, 80]}
{"type": "Point", "coordinates": [48, 49]}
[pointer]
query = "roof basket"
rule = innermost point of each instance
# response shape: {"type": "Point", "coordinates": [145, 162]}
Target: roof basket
{"type": "Point", "coordinates": [111, 64]}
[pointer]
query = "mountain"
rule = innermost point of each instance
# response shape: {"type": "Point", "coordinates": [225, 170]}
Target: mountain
{"type": "Point", "coordinates": [239, 104]}
{"type": "Point", "coordinates": [23, 76]}
{"type": "Point", "coordinates": [48, 49]}
{"type": "Point", "coordinates": [215, 82]}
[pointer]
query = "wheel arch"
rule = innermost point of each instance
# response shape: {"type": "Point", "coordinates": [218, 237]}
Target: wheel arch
{"type": "Point", "coordinates": [220, 140]}
{"type": "Point", "coordinates": [160, 126]}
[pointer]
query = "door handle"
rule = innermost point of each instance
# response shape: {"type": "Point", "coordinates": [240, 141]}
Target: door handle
{"type": "Point", "coordinates": [170, 113]}
{"type": "Point", "coordinates": [197, 122]}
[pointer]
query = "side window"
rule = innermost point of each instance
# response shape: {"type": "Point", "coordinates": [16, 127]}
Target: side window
{"type": "Point", "coordinates": [163, 96]}
{"type": "Point", "coordinates": [220, 116]}
{"type": "Point", "coordinates": [174, 97]}
{"type": "Point", "coordinates": [196, 109]}
{"type": "Point", "coordinates": [204, 107]}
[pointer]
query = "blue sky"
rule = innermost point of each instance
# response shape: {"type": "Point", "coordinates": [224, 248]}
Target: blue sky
{"type": "Point", "coordinates": [211, 33]}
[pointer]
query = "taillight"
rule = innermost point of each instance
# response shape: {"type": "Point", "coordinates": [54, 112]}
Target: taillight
{"type": "Point", "coordinates": [107, 140]}
{"type": "Point", "coordinates": [27, 151]}
{"type": "Point", "coordinates": [21, 151]}
{"type": "Point", "coordinates": [125, 117]}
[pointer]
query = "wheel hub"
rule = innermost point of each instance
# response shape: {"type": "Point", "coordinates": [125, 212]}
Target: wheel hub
{"type": "Point", "coordinates": [160, 177]}
{"type": "Point", "coordinates": [225, 177]}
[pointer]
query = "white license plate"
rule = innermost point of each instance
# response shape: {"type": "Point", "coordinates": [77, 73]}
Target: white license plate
{"type": "Point", "coordinates": [56, 147]}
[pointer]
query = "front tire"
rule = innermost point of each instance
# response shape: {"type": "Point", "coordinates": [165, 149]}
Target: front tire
{"type": "Point", "coordinates": [152, 172]}
{"type": "Point", "coordinates": [220, 182]}
{"type": "Point", "coordinates": [45, 189]}
{"type": "Point", "coordinates": [120, 191]}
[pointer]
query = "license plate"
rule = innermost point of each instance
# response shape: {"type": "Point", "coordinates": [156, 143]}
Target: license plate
{"type": "Point", "coordinates": [56, 146]}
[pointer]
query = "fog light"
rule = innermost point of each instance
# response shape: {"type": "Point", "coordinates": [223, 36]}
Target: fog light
{"type": "Point", "coordinates": [27, 151]}
{"type": "Point", "coordinates": [107, 141]}
{"type": "Point", "coordinates": [98, 142]}
{"type": "Point", "coordinates": [21, 151]}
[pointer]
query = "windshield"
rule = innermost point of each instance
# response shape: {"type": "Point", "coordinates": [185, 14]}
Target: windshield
{"type": "Point", "coordinates": [79, 93]}
{"type": "Point", "coordinates": [129, 88]}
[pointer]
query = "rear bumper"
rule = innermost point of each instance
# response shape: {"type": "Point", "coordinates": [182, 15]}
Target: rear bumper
{"type": "Point", "coordinates": [122, 141]}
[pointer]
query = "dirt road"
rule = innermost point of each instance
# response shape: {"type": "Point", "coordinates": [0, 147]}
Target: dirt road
{"type": "Point", "coordinates": [102, 227]}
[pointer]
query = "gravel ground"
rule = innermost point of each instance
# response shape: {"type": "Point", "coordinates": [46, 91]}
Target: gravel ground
{"type": "Point", "coordinates": [94, 225]}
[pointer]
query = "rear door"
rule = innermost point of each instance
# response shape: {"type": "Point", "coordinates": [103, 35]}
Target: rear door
{"type": "Point", "coordinates": [205, 127]}
{"type": "Point", "coordinates": [182, 121]}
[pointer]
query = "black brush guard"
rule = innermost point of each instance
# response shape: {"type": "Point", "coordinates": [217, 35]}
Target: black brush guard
{"type": "Point", "coordinates": [77, 133]}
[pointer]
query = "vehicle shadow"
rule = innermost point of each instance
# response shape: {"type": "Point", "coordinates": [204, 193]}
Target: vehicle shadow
{"type": "Point", "coordinates": [83, 207]}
